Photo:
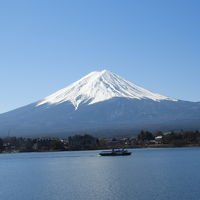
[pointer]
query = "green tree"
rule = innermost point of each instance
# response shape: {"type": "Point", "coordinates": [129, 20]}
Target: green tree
{"type": "Point", "coordinates": [1, 145]}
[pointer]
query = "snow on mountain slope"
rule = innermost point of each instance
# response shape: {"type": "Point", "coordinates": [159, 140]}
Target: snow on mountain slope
{"type": "Point", "coordinates": [100, 86]}
{"type": "Point", "coordinates": [114, 104]}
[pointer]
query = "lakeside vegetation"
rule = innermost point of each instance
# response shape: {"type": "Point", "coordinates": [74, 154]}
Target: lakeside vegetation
{"type": "Point", "coordinates": [88, 142]}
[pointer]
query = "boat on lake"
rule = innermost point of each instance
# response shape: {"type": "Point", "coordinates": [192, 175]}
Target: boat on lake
{"type": "Point", "coordinates": [117, 152]}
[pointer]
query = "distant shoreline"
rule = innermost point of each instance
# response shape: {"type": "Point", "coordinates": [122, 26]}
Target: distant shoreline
{"type": "Point", "coordinates": [139, 147]}
{"type": "Point", "coordinates": [144, 139]}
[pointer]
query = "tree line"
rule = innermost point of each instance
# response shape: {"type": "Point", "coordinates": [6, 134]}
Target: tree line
{"type": "Point", "coordinates": [89, 142]}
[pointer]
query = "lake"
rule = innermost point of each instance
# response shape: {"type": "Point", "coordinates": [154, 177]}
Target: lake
{"type": "Point", "coordinates": [148, 174]}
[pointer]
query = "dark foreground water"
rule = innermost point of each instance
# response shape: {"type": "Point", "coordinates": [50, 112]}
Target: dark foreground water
{"type": "Point", "coordinates": [148, 174]}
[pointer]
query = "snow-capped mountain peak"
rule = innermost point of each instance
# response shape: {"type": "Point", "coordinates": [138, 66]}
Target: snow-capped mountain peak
{"type": "Point", "coordinates": [100, 86]}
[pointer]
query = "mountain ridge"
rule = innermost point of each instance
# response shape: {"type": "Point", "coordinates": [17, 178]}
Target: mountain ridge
{"type": "Point", "coordinates": [99, 103]}
{"type": "Point", "coordinates": [100, 86]}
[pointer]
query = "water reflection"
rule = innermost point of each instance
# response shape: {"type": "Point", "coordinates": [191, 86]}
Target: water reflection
{"type": "Point", "coordinates": [147, 174]}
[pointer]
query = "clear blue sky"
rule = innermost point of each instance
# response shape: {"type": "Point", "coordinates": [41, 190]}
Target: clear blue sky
{"type": "Point", "coordinates": [46, 45]}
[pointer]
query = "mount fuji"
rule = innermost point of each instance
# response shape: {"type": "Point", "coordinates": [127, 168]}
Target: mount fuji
{"type": "Point", "coordinates": [103, 104]}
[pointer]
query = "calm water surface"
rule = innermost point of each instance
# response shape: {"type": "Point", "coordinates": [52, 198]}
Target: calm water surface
{"type": "Point", "coordinates": [148, 174]}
